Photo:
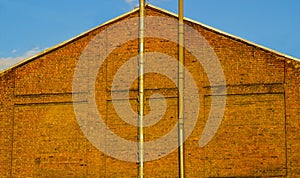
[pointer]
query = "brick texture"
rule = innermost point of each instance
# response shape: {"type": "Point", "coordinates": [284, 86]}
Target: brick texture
{"type": "Point", "coordinates": [259, 135]}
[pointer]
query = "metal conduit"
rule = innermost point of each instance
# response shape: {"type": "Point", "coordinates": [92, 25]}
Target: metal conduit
{"type": "Point", "coordinates": [181, 88]}
{"type": "Point", "coordinates": [141, 89]}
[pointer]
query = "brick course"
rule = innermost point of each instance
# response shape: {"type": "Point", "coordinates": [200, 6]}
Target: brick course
{"type": "Point", "coordinates": [259, 135]}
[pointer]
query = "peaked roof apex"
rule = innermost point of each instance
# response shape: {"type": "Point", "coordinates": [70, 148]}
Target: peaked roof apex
{"type": "Point", "coordinates": [133, 11]}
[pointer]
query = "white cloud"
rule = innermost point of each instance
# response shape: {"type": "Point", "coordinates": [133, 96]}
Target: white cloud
{"type": "Point", "coordinates": [14, 51]}
{"type": "Point", "coordinates": [10, 61]}
{"type": "Point", "coordinates": [132, 2]}
{"type": "Point", "coordinates": [136, 2]}
{"type": "Point", "coordinates": [129, 1]}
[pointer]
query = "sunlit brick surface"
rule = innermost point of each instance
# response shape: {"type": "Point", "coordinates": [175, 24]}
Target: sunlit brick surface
{"type": "Point", "coordinates": [259, 135]}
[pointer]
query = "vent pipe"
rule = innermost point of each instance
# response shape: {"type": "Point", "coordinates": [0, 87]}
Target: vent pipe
{"type": "Point", "coordinates": [181, 88]}
{"type": "Point", "coordinates": [141, 89]}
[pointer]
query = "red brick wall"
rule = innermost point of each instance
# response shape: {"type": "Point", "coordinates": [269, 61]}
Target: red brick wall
{"type": "Point", "coordinates": [6, 118]}
{"type": "Point", "coordinates": [292, 98]}
{"type": "Point", "coordinates": [259, 135]}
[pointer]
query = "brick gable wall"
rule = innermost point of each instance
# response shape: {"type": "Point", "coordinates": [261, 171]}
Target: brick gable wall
{"type": "Point", "coordinates": [259, 135]}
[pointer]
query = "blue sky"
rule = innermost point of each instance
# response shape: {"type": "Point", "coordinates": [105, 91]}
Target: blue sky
{"type": "Point", "coordinates": [30, 26]}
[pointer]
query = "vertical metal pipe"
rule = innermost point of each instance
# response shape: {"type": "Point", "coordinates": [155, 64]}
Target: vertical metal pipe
{"type": "Point", "coordinates": [141, 88]}
{"type": "Point", "coordinates": [181, 88]}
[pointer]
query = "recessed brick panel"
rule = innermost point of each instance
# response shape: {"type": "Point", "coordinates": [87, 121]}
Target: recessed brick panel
{"type": "Point", "coordinates": [259, 134]}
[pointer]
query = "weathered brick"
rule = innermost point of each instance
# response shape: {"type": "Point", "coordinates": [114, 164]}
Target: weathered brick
{"type": "Point", "coordinates": [259, 134]}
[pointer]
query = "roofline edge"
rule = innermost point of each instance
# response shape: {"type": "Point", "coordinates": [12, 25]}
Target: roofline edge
{"type": "Point", "coordinates": [26, 60]}
{"type": "Point", "coordinates": [48, 50]}
{"type": "Point", "coordinates": [228, 34]}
